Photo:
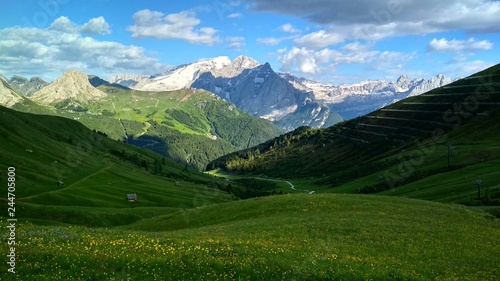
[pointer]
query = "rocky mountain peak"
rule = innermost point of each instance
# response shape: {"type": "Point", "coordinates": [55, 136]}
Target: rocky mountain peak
{"type": "Point", "coordinates": [244, 62]}
{"type": "Point", "coordinates": [26, 87]}
{"type": "Point", "coordinates": [18, 80]}
{"type": "Point", "coordinates": [72, 86]}
{"type": "Point", "coordinates": [37, 80]}
{"type": "Point", "coordinates": [403, 79]}
{"type": "Point", "coordinates": [8, 97]}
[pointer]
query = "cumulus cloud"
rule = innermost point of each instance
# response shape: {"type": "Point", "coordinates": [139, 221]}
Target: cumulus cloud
{"type": "Point", "coordinates": [63, 24]}
{"type": "Point", "coordinates": [375, 20]}
{"type": "Point", "coordinates": [301, 60]}
{"type": "Point", "coordinates": [96, 26]}
{"type": "Point", "coordinates": [307, 61]}
{"type": "Point", "coordinates": [62, 46]}
{"type": "Point", "coordinates": [444, 45]}
{"type": "Point", "coordinates": [319, 39]}
{"type": "Point", "coordinates": [93, 26]}
{"type": "Point", "coordinates": [182, 25]}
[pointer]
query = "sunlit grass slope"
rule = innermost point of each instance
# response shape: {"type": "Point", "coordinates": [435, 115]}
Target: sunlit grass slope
{"type": "Point", "coordinates": [288, 237]}
{"type": "Point", "coordinates": [95, 174]}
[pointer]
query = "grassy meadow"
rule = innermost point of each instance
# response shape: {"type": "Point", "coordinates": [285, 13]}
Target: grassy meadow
{"type": "Point", "coordinates": [288, 237]}
{"type": "Point", "coordinates": [325, 204]}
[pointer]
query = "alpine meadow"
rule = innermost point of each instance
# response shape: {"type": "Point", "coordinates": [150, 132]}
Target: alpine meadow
{"type": "Point", "coordinates": [250, 140]}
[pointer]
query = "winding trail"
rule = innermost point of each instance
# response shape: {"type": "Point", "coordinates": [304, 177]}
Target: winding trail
{"type": "Point", "coordinates": [293, 187]}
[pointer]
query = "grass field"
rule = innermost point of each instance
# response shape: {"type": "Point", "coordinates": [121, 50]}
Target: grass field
{"type": "Point", "coordinates": [189, 225]}
{"type": "Point", "coordinates": [97, 174]}
{"type": "Point", "coordinates": [288, 237]}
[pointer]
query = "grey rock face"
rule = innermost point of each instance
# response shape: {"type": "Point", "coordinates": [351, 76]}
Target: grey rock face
{"type": "Point", "coordinates": [26, 87]}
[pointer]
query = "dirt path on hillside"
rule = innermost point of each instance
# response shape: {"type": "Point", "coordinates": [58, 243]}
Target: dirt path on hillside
{"type": "Point", "coordinates": [185, 98]}
{"type": "Point", "coordinates": [103, 169]}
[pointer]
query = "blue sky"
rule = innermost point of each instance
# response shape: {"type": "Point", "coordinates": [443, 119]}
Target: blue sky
{"type": "Point", "coordinates": [330, 41]}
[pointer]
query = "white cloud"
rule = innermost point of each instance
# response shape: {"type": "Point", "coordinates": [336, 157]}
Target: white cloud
{"type": "Point", "coordinates": [444, 45]}
{"type": "Point", "coordinates": [173, 26]}
{"type": "Point", "coordinates": [307, 61]}
{"type": "Point", "coordinates": [269, 41]}
{"type": "Point", "coordinates": [375, 20]}
{"type": "Point", "coordinates": [96, 26]}
{"type": "Point", "coordinates": [63, 24]}
{"type": "Point", "coordinates": [289, 28]}
{"type": "Point", "coordinates": [281, 51]}
{"type": "Point", "coordinates": [319, 39]}
{"type": "Point", "coordinates": [234, 15]}
{"type": "Point", "coordinates": [301, 60]}
{"type": "Point", "coordinates": [93, 26]}
{"type": "Point", "coordinates": [235, 43]}
{"type": "Point", "coordinates": [36, 51]}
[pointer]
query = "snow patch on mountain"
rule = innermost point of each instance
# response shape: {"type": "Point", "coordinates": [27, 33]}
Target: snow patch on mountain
{"type": "Point", "coordinates": [282, 98]}
{"type": "Point", "coordinates": [352, 100]}
{"type": "Point", "coordinates": [181, 77]}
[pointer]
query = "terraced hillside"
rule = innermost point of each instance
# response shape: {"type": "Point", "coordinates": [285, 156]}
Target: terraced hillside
{"type": "Point", "coordinates": [74, 221]}
{"type": "Point", "coordinates": [444, 130]}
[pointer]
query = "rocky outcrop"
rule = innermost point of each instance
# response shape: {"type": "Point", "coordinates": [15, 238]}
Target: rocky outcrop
{"type": "Point", "coordinates": [8, 97]}
{"type": "Point", "coordinates": [71, 90]}
{"type": "Point", "coordinates": [262, 92]}
{"type": "Point", "coordinates": [26, 87]}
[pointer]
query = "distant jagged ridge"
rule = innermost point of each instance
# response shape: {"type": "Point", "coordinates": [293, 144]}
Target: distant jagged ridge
{"type": "Point", "coordinates": [353, 100]}
{"type": "Point", "coordinates": [26, 87]}
{"type": "Point", "coordinates": [284, 99]}
{"type": "Point", "coordinates": [251, 86]}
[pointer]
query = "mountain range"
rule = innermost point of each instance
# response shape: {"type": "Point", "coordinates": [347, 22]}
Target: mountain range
{"type": "Point", "coordinates": [438, 142]}
{"type": "Point", "coordinates": [73, 184]}
{"type": "Point", "coordinates": [155, 114]}
{"type": "Point", "coordinates": [192, 127]}
{"type": "Point", "coordinates": [284, 99]}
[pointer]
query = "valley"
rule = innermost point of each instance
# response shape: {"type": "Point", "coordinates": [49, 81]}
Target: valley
{"type": "Point", "coordinates": [430, 146]}
{"type": "Point", "coordinates": [227, 140]}
{"type": "Point", "coordinates": [389, 196]}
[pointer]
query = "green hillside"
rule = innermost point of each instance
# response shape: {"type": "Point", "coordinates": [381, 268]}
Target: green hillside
{"type": "Point", "coordinates": [96, 173]}
{"type": "Point", "coordinates": [190, 126]}
{"type": "Point", "coordinates": [404, 146]}
{"type": "Point", "coordinates": [289, 237]}
{"type": "Point", "coordinates": [74, 221]}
